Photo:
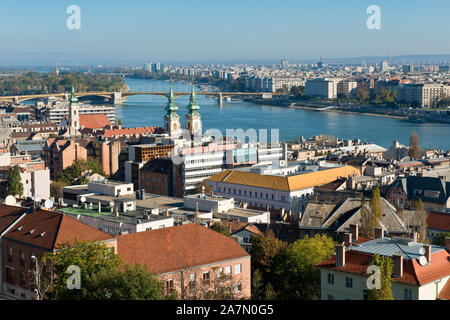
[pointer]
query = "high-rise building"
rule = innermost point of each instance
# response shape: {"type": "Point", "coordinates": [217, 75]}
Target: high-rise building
{"type": "Point", "coordinates": [384, 66]}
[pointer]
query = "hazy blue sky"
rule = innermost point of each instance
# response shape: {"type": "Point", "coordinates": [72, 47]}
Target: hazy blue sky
{"type": "Point", "coordinates": [199, 30]}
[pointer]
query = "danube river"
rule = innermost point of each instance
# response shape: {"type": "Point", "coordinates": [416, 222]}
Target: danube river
{"type": "Point", "coordinates": [148, 110]}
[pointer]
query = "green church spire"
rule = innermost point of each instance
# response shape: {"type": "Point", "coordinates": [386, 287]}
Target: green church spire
{"type": "Point", "coordinates": [171, 107]}
{"type": "Point", "coordinates": [193, 107]}
{"type": "Point", "coordinates": [73, 98]}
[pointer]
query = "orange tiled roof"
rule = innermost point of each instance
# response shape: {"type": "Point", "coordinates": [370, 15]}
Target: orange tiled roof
{"type": "Point", "coordinates": [47, 230]}
{"type": "Point", "coordinates": [438, 221]}
{"type": "Point", "coordinates": [170, 249]}
{"type": "Point", "coordinates": [413, 272]}
{"type": "Point", "coordinates": [445, 292]}
{"type": "Point", "coordinates": [94, 121]}
{"type": "Point", "coordinates": [131, 131]}
{"type": "Point", "coordinates": [289, 183]}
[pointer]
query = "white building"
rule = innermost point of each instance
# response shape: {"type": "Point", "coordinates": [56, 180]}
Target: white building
{"type": "Point", "coordinates": [344, 276]}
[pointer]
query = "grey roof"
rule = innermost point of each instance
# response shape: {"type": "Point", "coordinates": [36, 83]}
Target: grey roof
{"type": "Point", "coordinates": [389, 247]}
{"type": "Point", "coordinates": [30, 145]}
{"type": "Point", "coordinates": [415, 187]}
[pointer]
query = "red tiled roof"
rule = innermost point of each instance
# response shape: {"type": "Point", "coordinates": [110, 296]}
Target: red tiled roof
{"type": "Point", "coordinates": [438, 221]}
{"type": "Point", "coordinates": [445, 292]}
{"type": "Point", "coordinates": [47, 230]}
{"type": "Point", "coordinates": [9, 214]}
{"type": "Point", "coordinates": [131, 131]}
{"type": "Point", "coordinates": [170, 249]}
{"type": "Point", "coordinates": [94, 121]}
{"type": "Point", "coordinates": [413, 272]}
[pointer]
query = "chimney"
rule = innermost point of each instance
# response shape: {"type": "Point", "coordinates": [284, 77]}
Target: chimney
{"type": "Point", "coordinates": [415, 236]}
{"type": "Point", "coordinates": [340, 255]}
{"type": "Point", "coordinates": [348, 239]}
{"type": "Point", "coordinates": [447, 243]}
{"type": "Point", "coordinates": [244, 205]}
{"type": "Point", "coordinates": [379, 233]}
{"type": "Point", "coordinates": [398, 266]}
{"type": "Point", "coordinates": [354, 231]}
{"type": "Point", "coordinates": [428, 252]}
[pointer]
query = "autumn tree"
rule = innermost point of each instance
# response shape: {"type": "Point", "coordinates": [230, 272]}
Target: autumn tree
{"type": "Point", "coordinates": [297, 276]}
{"type": "Point", "coordinates": [15, 186]}
{"type": "Point", "coordinates": [386, 268]}
{"type": "Point", "coordinates": [414, 146]}
{"type": "Point", "coordinates": [420, 221]}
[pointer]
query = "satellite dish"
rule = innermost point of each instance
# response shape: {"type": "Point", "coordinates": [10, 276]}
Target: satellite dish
{"type": "Point", "coordinates": [10, 200]}
{"type": "Point", "coordinates": [423, 261]}
{"type": "Point", "coordinates": [83, 199]}
{"type": "Point", "coordinates": [422, 251]}
{"type": "Point", "coordinates": [48, 204]}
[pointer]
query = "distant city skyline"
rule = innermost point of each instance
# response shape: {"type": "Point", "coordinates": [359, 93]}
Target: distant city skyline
{"type": "Point", "coordinates": [215, 31]}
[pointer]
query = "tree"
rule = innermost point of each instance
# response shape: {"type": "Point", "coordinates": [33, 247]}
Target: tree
{"type": "Point", "coordinates": [221, 228]}
{"type": "Point", "coordinates": [375, 207]}
{"type": "Point", "coordinates": [367, 228]}
{"type": "Point", "coordinates": [297, 276]}
{"type": "Point", "coordinates": [56, 189]}
{"type": "Point", "coordinates": [263, 251]}
{"type": "Point", "coordinates": [414, 146]}
{"type": "Point", "coordinates": [361, 94]}
{"type": "Point", "coordinates": [131, 283]}
{"type": "Point", "coordinates": [386, 269]}
{"type": "Point", "coordinates": [439, 239]}
{"type": "Point", "coordinates": [420, 221]}
{"type": "Point", "coordinates": [90, 257]}
{"type": "Point", "coordinates": [119, 122]}
{"type": "Point", "coordinates": [74, 174]}
{"type": "Point", "coordinates": [15, 186]}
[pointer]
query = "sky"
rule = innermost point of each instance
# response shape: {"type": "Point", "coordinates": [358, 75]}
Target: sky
{"type": "Point", "coordinates": [215, 30]}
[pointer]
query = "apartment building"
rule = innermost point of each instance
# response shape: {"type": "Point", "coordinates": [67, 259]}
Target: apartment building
{"type": "Point", "coordinates": [416, 276]}
{"type": "Point", "coordinates": [423, 95]}
{"type": "Point", "coordinates": [56, 113]}
{"type": "Point", "coordinates": [324, 88]}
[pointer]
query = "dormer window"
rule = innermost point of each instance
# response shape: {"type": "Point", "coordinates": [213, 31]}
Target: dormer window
{"type": "Point", "coordinates": [31, 231]}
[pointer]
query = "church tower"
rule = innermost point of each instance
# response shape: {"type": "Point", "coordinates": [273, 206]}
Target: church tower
{"type": "Point", "coordinates": [193, 118]}
{"type": "Point", "coordinates": [74, 115]}
{"type": "Point", "coordinates": [172, 119]}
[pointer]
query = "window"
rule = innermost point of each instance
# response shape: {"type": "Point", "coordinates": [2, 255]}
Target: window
{"type": "Point", "coordinates": [192, 277]}
{"type": "Point", "coordinates": [10, 255]}
{"type": "Point", "coordinates": [227, 270]}
{"type": "Point", "coordinates": [22, 258]}
{"type": "Point", "coordinates": [9, 276]}
{"type": "Point", "coordinates": [246, 240]}
{"type": "Point", "coordinates": [331, 278]}
{"type": "Point", "coordinates": [237, 269]}
{"type": "Point", "coordinates": [169, 286]}
{"type": "Point", "coordinates": [407, 294]}
{"type": "Point", "coordinates": [206, 276]}
{"type": "Point", "coordinates": [330, 297]}
{"type": "Point", "coordinates": [22, 279]}
{"type": "Point", "coordinates": [238, 288]}
{"type": "Point", "coordinates": [348, 282]}
{"type": "Point", "coordinates": [219, 272]}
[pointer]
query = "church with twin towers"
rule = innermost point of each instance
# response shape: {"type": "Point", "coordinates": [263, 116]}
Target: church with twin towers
{"type": "Point", "coordinates": [172, 125]}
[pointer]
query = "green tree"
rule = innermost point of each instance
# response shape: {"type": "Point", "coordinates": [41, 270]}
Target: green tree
{"type": "Point", "coordinates": [414, 146]}
{"type": "Point", "coordinates": [90, 257]}
{"type": "Point", "coordinates": [131, 283]}
{"type": "Point", "coordinates": [263, 251]}
{"type": "Point", "coordinates": [297, 276]}
{"type": "Point", "coordinates": [221, 228]}
{"type": "Point", "coordinates": [386, 269]}
{"type": "Point", "coordinates": [119, 122]}
{"type": "Point", "coordinates": [15, 186]}
{"type": "Point", "coordinates": [439, 239]}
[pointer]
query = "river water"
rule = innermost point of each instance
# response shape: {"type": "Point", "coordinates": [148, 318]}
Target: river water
{"type": "Point", "coordinates": [148, 110]}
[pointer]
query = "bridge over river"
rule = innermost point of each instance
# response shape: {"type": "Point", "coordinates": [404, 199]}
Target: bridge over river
{"type": "Point", "coordinates": [120, 97]}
